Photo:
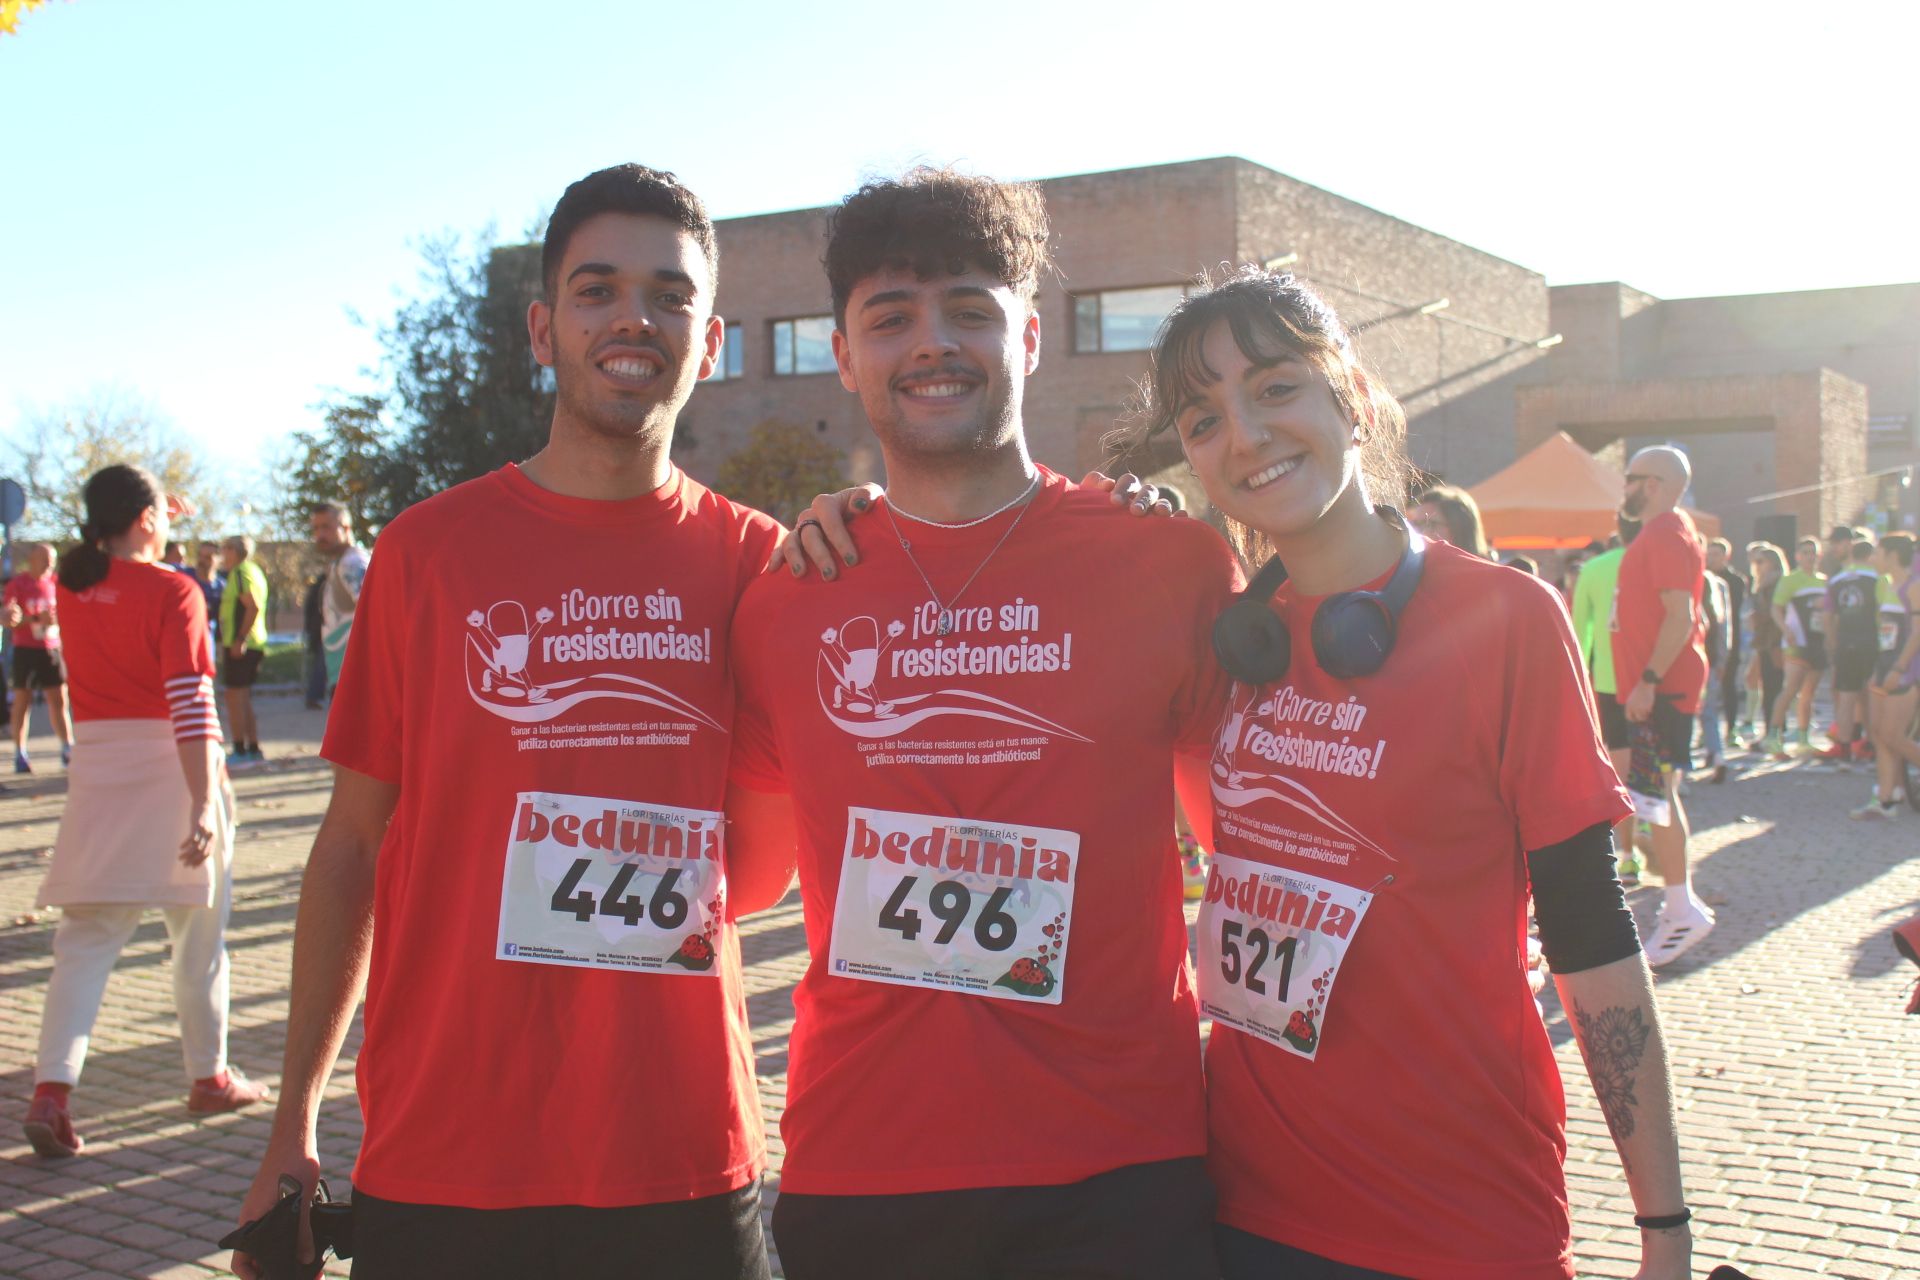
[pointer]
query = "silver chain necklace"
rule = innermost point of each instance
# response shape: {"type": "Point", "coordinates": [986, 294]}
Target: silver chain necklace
{"type": "Point", "coordinates": [943, 624]}
{"type": "Point", "coordinates": [1015, 501]}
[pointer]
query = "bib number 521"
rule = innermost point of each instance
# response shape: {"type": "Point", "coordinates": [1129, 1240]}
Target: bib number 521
{"type": "Point", "coordinates": [1245, 971]}
{"type": "Point", "coordinates": [667, 907]}
{"type": "Point", "coordinates": [951, 902]}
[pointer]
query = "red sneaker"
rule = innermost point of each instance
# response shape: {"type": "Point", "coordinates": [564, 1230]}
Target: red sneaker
{"type": "Point", "coordinates": [235, 1092]}
{"type": "Point", "coordinates": [1862, 749]}
{"type": "Point", "coordinates": [50, 1129]}
{"type": "Point", "coordinates": [1834, 753]}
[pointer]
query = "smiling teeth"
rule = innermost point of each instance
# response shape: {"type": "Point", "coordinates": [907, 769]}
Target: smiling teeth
{"type": "Point", "coordinates": [1261, 478]}
{"type": "Point", "coordinates": [629, 368]}
{"type": "Point", "coordinates": [939, 389]}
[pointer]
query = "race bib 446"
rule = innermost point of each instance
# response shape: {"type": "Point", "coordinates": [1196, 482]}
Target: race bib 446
{"type": "Point", "coordinates": [612, 884]}
{"type": "Point", "coordinates": [1271, 943]}
{"type": "Point", "coordinates": [955, 904]}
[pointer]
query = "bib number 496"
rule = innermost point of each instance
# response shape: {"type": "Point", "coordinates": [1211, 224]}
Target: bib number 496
{"type": "Point", "coordinates": [950, 902]}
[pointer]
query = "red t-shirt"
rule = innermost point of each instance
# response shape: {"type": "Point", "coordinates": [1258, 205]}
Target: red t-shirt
{"type": "Point", "coordinates": [136, 648]}
{"type": "Point", "coordinates": [35, 596]}
{"type": "Point", "coordinates": [1424, 1134]}
{"type": "Point", "coordinates": [1667, 556]}
{"type": "Point", "coordinates": [545, 678]}
{"type": "Point", "coordinates": [998, 991]}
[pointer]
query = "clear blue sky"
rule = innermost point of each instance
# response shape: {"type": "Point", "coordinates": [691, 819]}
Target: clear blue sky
{"type": "Point", "coordinates": [195, 194]}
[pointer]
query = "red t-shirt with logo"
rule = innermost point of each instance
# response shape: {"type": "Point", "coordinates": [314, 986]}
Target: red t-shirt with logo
{"type": "Point", "coordinates": [1424, 1136]}
{"type": "Point", "coordinates": [554, 1012]}
{"type": "Point", "coordinates": [36, 596]}
{"type": "Point", "coordinates": [1008, 787]}
{"type": "Point", "coordinates": [136, 648]}
{"type": "Point", "coordinates": [1667, 556]}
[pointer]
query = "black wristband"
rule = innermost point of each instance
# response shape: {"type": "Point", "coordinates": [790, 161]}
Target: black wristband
{"type": "Point", "coordinates": [1648, 676]}
{"type": "Point", "coordinates": [1665, 1222]}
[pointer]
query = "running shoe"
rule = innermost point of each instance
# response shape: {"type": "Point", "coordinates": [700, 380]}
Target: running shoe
{"type": "Point", "coordinates": [50, 1128]}
{"type": "Point", "coordinates": [233, 1092]}
{"type": "Point", "coordinates": [1802, 740]}
{"type": "Point", "coordinates": [1776, 747]}
{"type": "Point", "coordinates": [1885, 810]}
{"type": "Point", "coordinates": [1677, 932]}
{"type": "Point", "coordinates": [1630, 868]}
{"type": "Point", "coordinates": [1835, 754]}
{"type": "Point", "coordinates": [1862, 750]}
{"type": "Point", "coordinates": [20, 764]}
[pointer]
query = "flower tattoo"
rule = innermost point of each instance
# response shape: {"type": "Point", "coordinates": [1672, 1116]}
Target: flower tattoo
{"type": "Point", "coordinates": [1614, 1041]}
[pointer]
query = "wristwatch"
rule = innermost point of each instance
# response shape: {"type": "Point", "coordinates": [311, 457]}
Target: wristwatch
{"type": "Point", "coordinates": [1649, 677]}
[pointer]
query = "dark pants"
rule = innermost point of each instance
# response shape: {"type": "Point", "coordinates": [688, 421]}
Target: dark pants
{"type": "Point", "coordinates": [713, 1238]}
{"type": "Point", "coordinates": [1730, 690]}
{"type": "Point", "coordinates": [316, 673]}
{"type": "Point", "coordinates": [1773, 677]}
{"type": "Point", "coordinates": [1141, 1222]}
{"type": "Point", "coordinates": [1245, 1256]}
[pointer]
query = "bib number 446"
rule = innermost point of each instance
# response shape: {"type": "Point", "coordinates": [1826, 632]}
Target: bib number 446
{"type": "Point", "coordinates": [668, 908]}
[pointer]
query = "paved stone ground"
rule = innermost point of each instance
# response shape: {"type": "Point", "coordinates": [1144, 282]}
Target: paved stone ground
{"type": "Point", "coordinates": [1796, 1072]}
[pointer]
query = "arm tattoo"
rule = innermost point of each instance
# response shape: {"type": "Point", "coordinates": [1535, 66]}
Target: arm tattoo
{"type": "Point", "coordinates": [1613, 1042]}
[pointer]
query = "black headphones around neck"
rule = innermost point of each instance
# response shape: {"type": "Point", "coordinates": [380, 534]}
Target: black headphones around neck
{"type": "Point", "coordinates": [1353, 631]}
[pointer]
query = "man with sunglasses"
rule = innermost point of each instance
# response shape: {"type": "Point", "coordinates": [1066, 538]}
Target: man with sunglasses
{"type": "Point", "coordinates": [1660, 667]}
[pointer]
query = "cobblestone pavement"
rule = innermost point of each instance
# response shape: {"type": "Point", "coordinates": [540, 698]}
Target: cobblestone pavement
{"type": "Point", "coordinates": [1796, 1072]}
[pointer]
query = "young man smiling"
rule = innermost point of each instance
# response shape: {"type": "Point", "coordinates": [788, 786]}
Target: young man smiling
{"type": "Point", "coordinates": [995, 1066]}
{"type": "Point", "coordinates": [522, 861]}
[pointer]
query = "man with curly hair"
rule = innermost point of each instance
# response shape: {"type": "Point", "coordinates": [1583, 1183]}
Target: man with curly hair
{"type": "Point", "coordinates": [994, 1059]}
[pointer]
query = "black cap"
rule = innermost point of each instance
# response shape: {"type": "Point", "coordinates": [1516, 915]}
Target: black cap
{"type": "Point", "coordinates": [1840, 531]}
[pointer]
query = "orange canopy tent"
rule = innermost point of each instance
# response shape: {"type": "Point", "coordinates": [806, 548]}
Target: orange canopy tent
{"type": "Point", "coordinates": [1556, 497]}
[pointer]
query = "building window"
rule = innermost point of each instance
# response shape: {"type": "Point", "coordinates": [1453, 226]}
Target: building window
{"type": "Point", "coordinates": [733, 355]}
{"type": "Point", "coordinates": [1121, 319]}
{"type": "Point", "coordinates": [804, 345]}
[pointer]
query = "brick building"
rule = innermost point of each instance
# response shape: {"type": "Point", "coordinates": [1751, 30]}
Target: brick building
{"type": "Point", "coordinates": [1768, 392]}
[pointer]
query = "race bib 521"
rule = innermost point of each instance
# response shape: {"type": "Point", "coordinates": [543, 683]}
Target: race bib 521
{"type": "Point", "coordinates": [955, 904]}
{"type": "Point", "coordinates": [612, 884]}
{"type": "Point", "coordinates": [1271, 943]}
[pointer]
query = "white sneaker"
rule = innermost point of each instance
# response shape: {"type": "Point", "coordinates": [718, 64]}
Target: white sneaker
{"type": "Point", "coordinates": [1676, 932]}
{"type": "Point", "coordinates": [1887, 811]}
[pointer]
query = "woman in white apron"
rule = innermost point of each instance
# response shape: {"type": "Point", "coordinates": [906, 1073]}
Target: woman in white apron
{"type": "Point", "coordinates": [148, 821]}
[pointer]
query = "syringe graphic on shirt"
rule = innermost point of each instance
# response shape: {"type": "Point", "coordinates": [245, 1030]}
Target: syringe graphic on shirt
{"type": "Point", "coordinates": [510, 663]}
{"type": "Point", "coordinates": [871, 698]}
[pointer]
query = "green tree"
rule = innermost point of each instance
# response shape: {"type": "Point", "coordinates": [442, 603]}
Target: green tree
{"type": "Point", "coordinates": [781, 469]}
{"type": "Point", "coordinates": [349, 458]}
{"type": "Point", "coordinates": [458, 391]}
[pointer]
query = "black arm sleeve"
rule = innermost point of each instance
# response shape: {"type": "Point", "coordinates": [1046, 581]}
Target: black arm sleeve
{"type": "Point", "coordinates": [1577, 898]}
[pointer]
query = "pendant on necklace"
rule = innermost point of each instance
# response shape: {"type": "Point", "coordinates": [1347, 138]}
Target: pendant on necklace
{"type": "Point", "coordinates": [944, 624]}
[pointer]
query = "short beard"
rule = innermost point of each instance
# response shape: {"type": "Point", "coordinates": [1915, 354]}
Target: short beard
{"type": "Point", "coordinates": [1633, 506]}
{"type": "Point", "coordinates": [640, 423]}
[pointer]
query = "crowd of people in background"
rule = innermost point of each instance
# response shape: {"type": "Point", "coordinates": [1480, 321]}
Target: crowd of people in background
{"type": "Point", "coordinates": [1841, 618]}
{"type": "Point", "coordinates": [236, 595]}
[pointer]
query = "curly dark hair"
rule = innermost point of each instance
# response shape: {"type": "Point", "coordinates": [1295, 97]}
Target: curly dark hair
{"type": "Point", "coordinates": [625, 188]}
{"type": "Point", "coordinates": [938, 222]}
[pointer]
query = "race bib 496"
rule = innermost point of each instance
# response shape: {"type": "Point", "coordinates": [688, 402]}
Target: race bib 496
{"type": "Point", "coordinates": [612, 884]}
{"type": "Point", "coordinates": [1271, 943]}
{"type": "Point", "coordinates": [955, 904]}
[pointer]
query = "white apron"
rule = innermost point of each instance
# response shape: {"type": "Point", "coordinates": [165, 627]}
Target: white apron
{"type": "Point", "coordinates": [127, 811]}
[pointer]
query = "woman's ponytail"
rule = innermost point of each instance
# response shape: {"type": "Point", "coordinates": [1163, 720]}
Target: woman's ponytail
{"type": "Point", "coordinates": [115, 496]}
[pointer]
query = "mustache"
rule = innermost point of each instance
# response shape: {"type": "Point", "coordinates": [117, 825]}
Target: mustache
{"type": "Point", "coordinates": [945, 373]}
{"type": "Point", "coordinates": [643, 345]}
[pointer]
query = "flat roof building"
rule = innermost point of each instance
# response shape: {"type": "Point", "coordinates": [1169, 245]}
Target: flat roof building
{"type": "Point", "coordinates": [1767, 392]}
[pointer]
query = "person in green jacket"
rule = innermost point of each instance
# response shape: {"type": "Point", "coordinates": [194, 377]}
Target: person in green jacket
{"type": "Point", "coordinates": [243, 638]}
{"type": "Point", "coordinates": [1593, 629]}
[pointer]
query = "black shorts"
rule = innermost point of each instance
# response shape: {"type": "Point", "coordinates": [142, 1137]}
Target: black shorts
{"type": "Point", "coordinates": [1852, 668]}
{"type": "Point", "coordinates": [1141, 1222]}
{"type": "Point", "coordinates": [1245, 1256]}
{"type": "Point", "coordinates": [241, 672]}
{"type": "Point", "coordinates": [1814, 653]}
{"type": "Point", "coordinates": [1674, 727]}
{"type": "Point", "coordinates": [713, 1238]}
{"type": "Point", "coordinates": [35, 668]}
